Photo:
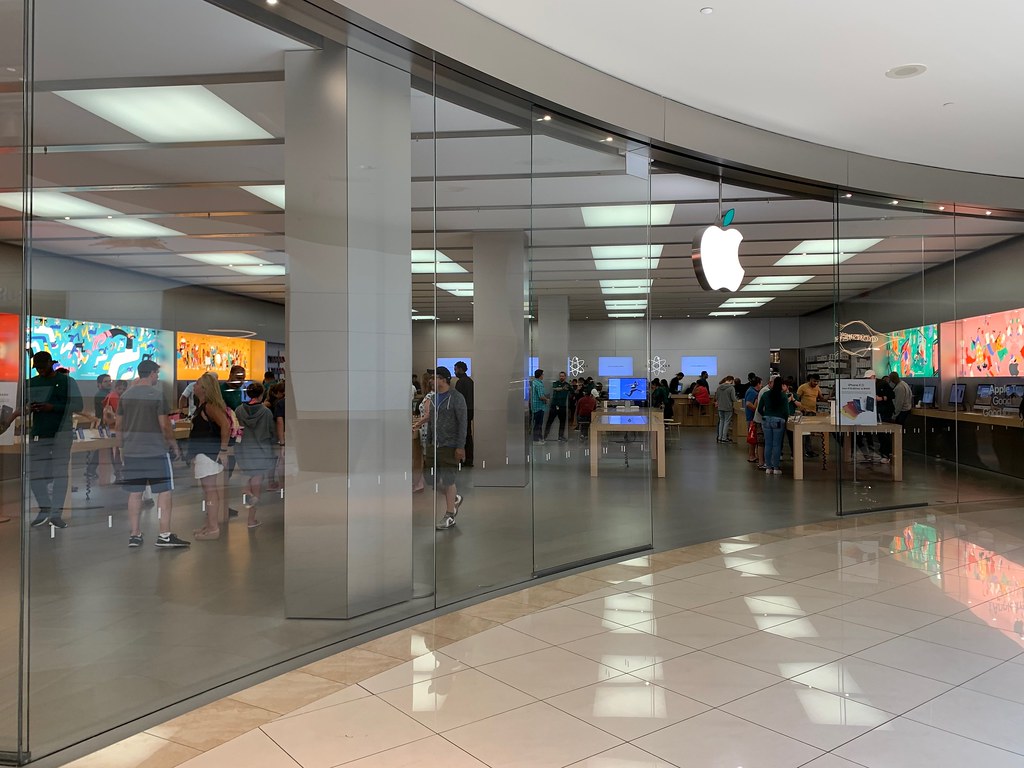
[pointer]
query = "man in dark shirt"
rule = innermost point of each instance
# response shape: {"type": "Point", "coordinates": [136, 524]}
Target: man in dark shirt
{"type": "Point", "coordinates": [53, 397]}
{"type": "Point", "coordinates": [446, 443]}
{"type": "Point", "coordinates": [559, 403]}
{"type": "Point", "coordinates": [673, 386]}
{"type": "Point", "coordinates": [103, 386]}
{"type": "Point", "coordinates": [464, 386]}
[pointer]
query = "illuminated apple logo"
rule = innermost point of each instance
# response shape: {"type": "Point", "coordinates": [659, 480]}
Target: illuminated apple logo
{"type": "Point", "coordinates": [716, 256]}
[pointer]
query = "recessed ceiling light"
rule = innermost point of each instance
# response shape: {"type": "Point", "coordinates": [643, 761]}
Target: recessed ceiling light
{"type": "Point", "coordinates": [942, 207]}
{"type": "Point", "coordinates": [988, 213]}
{"type": "Point", "coordinates": [168, 113]}
{"type": "Point", "coordinates": [124, 227]}
{"type": "Point", "coordinates": [622, 304]}
{"type": "Point", "coordinates": [823, 253]}
{"type": "Point", "coordinates": [727, 314]}
{"type": "Point", "coordinates": [271, 2]}
{"type": "Point", "coordinates": [848, 195]}
{"type": "Point", "coordinates": [610, 138]}
{"type": "Point", "coordinates": [904, 71]}
{"type": "Point", "coordinates": [427, 262]}
{"type": "Point", "coordinates": [895, 202]}
{"type": "Point", "coordinates": [707, 10]}
{"type": "Point", "coordinates": [424, 317]}
{"type": "Point", "coordinates": [627, 215]}
{"type": "Point", "coordinates": [224, 258]}
{"type": "Point", "coordinates": [621, 315]}
{"type": "Point", "coordinates": [457, 289]}
{"type": "Point", "coordinates": [776, 282]}
{"type": "Point", "coordinates": [544, 119]}
{"type": "Point", "coordinates": [272, 193]}
{"type": "Point", "coordinates": [625, 287]}
{"type": "Point", "coordinates": [55, 205]}
{"type": "Point", "coordinates": [753, 301]}
{"type": "Point", "coordinates": [626, 256]}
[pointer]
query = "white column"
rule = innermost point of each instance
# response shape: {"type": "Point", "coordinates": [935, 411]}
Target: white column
{"type": "Point", "coordinates": [552, 335]}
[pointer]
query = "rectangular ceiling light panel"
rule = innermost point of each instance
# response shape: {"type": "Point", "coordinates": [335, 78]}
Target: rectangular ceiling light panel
{"type": "Point", "coordinates": [625, 287]}
{"type": "Point", "coordinates": [776, 283]}
{"type": "Point", "coordinates": [727, 314]}
{"type": "Point", "coordinates": [261, 270]}
{"type": "Point", "coordinates": [272, 193]}
{"type": "Point", "coordinates": [428, 262]}
{"type": "Point", "coordinates": [621, 315]}
{"type": "Point", "coordinates": [624, 304]}
{"type": "Point", "coordinates": [456, 289]}
{"type": "Point", "coordinates": [225, 259]}
{"type": "Point", "coordinates": [124, 227]}
{"type": "Point", "coordinates": [56, 205]}
{"type": "Point", "coordinates": [168, 113]}
{"type": "Point", "coordinates": [825, 253]}
{"type": "Point", "coordinates": [758, 301]}
{"type": "Point", "coordinates": [627, 215]}
{"type": "Point", "coordinates": [626, 256]}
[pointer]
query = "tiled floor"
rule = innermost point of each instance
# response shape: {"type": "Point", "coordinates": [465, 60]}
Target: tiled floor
{"type": "Point", "coordinates": [822, 646]}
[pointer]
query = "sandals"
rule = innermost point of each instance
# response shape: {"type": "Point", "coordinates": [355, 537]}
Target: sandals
{"type": "Point", "coordinates": [254, 524]}
{"type": "Point", "coordinates": [205, 535]}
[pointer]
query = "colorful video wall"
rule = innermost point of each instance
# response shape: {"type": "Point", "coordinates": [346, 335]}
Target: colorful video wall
{"type": "Point", "coordinates": [10, 347]}
{"type": "Point", "coordinates": [89, 349]}
{"type": "Point", "coordinates": [986, 346]}
{"type": "Point", "coordinates": [909, 352]}
{"type": "Point", "coordinates": [198, 353]}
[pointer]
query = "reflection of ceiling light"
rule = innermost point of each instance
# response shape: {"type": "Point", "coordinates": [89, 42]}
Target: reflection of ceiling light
{"type": "Point", "coordinates": [271, 2]}
{"type": "Point", "coordinates": [261, 270]}
{"type": "Point", "coordinates": [456, 289]}
{"type": "Point", "coordinates": [848, 195]}
{"type": "Point", "coordinates": [424, 317]}
{"type": "Point", "coordinates": [822, 253]}
{"type": "Point", "coordinates": [905, 71]}
{"type": "Point", "coordinates": [988, 213]}
{"type": "Point", "coordinates": [627, 215]}
{"type": "Point", "coordinates": [625, 287]}
{"type": "Point", "coordinates": [753, 301]}
{"type": "Point", "coordinates": [621, 315]}
{"type": "Point", "coordinates": [616, 304]}
{"type": "Point", "coordinates": [707, 10]}
{"type": "Point", "coordinates": [55, 205]}
{"type": "Point", "coordinates": [626, 256]}
{"type": "Point", "coordinates": [776, 282]}
{"type": "Point", "coordinates": [434, 262]}
{"type": "Point", "coordinates": [272, 193]}
{"type": "Point", "coordinates": [235, 332]}
{"type": "Point", "coordinates": [727, 314]}
{"type": "Point", "coordinates": [225, 258]}
{"type": "Point", "coordinates": [124, 227]}
{"type": "Point", "coordinates": [168, 113]}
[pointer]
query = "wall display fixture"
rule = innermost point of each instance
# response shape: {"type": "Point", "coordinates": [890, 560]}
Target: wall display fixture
{"type": "Point", "coordinates": [910, 352]}
{"type": "Point", "coordinates": [10, 346]}
{"type": "Point", "coordinates": [615, 366]}
{"type": "Point", "coordinates": [89, 349]}
{"type": "Point", "coordinates": [449, 363]}
{"type": "Point", "coordinates": [198, 353]}
{"type": "Point", "coordinates": [623, 388]}
{"type": "Point", "coordinates": [694, 365]}
{"type": "Point", "coordinates": [985, 345]}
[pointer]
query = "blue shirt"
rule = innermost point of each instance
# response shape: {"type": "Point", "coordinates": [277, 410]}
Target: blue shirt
{"type": "Point", "coordinates": [750, 403]}
{"type": "Point", "coordinates": [536, 392]}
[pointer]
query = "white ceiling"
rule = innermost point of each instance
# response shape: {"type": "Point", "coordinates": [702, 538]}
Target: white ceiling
{"type": "Point", "coordinates": [811, 69]}
{"type": "Point", "coordinates": [493, 172]}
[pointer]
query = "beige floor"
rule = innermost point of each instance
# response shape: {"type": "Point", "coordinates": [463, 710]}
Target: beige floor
{"type": "Point", "coordinates": [878, 641]}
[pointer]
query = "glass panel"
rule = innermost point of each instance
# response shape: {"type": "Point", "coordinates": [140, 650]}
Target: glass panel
{"type": "Point", "coordinates": [591, 263]}
{"type": "Point", "coordinates": [478, 295]}
{"type": "Point", "coordinates": [11, 342]}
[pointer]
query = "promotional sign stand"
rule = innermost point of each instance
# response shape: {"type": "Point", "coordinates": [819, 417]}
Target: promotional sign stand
{"type": "Point", "coordinates": [855, 405]}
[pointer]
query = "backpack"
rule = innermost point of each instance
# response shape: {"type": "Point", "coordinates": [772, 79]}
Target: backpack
{"type": "Point", "coordinates": [236, 430]}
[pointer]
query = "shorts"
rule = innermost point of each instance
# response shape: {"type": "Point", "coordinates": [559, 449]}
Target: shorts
{"type": "Point", "coordinates": [760, 433]}
{"type": "Point", "coordinates": [154, 471]}
{"type": "Point", "coordinates": [444, 470]}
{"type": "Point", "coordinates": [205, 466]}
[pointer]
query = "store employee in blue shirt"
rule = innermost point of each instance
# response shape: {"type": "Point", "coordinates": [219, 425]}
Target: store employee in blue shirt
{"type": "Point", "coordinates": [537, 399]}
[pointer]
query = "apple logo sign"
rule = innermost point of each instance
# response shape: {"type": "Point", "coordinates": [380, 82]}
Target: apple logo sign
{"type": "Point", "coordinates": [716, 256]}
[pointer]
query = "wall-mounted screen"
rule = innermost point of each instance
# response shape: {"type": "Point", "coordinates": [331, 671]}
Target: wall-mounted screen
{"type": "Point", "coordinates": [623, 388]}
{"type": "Point", "coordinates": [90, 349]}
{"type": "Point", "coordinates": [449, 363]}
{"type": "Point", "coordinates": [10, 347]}
{"type": "Point", "coordinates": [956, 393]}
{"type": "Point", "coordinates": [983, 395]}
{"type": "Point", "coordinates": [198, 353]}
{"type": "Point", "coordinates": [986, 345]}
{"type": "Point", "coordinates": [909, 352]}
{"type": "Point", "coordinates": [615, 366]}
{"type": "Point", "coordinates": [692, 366]}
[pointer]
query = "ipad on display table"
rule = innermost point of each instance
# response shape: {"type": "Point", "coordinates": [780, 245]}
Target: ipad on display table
{"type": "Point", "coordinates": [956, 394]}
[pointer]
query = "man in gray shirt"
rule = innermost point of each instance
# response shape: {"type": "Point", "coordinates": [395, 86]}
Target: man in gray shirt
{"type": "Point", "coordinates": [147, 444]}
{"type": "Point", "coordinates": [446, 442]}
{"type": "Point", "coordinates": [903, 398]}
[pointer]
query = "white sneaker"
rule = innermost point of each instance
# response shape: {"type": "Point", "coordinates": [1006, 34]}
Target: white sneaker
{"type": "Point", "coordinates": [885, 460]}
{"type": "Point", "coordinates": [446, 522]}
{"type": "Point", "coordinates": [776, 471]}
{"type": "Point", "coordinates": [769, 471]}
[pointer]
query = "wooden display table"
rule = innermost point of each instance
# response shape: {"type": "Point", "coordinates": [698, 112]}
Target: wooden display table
{"type": "Point", "coordinates": [646, 420]}
{"type": "Point", "coordinates": [812, 424]}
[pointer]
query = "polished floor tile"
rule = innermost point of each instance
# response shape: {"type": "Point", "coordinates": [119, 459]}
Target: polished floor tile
{"type": "Point", "coordinates": [549, 672]}
{"type": "Point", "coordinates": [1005, 681]}
{"type": "Point", "coordinates": [751, 612]}
{"type": "Point", "coordinates": [627, 706]}
{"type": "Point", "coordinates": [975, 715]}
{"type": "Point", "coordinates": [974, 637]}
{"type": "Point", "coordinates": [493, 645]}
{"type": "Point", "coordinates": [773, 654]}
{"type": "Point", "coordinates": [939, 662]}
{"type": "Point", "coordinates": [425, 667]}
{"type": "Point", "coordinates": [626, 608]}
{"type": "Point", "coordinates": [624, 756]}
{"type": "Point", "coordinates": [431, 752]}
{"type": "Point", "coordinates": [873, 684]}
{"type": "Point", "coordinates": [561, 625]}
{"type": "Point", "coordinates": [806, 598]}
{"type": "Point", "coordinates": [214, 724]}
{"type": "Point", "coordinates": [536, 736]}
{"type": "Point", "coordinates": [253, 750]}
{"type": "Point", "coordinates": [288, 692]}
{"type": "Point", "coordinates": [717, 739]}
{"type": "Point", "coordinates": [351, 693]}
{"type": "Point", "coordinates": [696, 630]}
{"type": "Point", "coordinates": [831, 761]}
{"type": "Point", "coordinates": [810, 715]}
{"type": "Point", "coordinates": [142, 749]}
{"type": "Point", "coordinates": [734, 582]}
{"type": "Point", "coordinates": [903, 743]}
{"type": "Point", "coordinates": [454, 700]}
{"type": "Point", "coordinates": [627, 649]}
{"type": "Point", "coordinates": [890, 618]}
{"type": "Point", "coordinates": [833, 634]}
{"type": "Point", "coordinates": [708, 679]}
{"type": "Point", "coordinates": [334, 735]}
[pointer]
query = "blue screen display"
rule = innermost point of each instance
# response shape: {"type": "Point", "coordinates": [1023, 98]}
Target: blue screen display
{"type": "Point", "coordinates": [615, 366]}
{"type": "Point", "coordinates": [449, 363]}
{"type": "Point", "coordinates": [692, 366]}
{"type": "Point", "coordinates": [627, 389]}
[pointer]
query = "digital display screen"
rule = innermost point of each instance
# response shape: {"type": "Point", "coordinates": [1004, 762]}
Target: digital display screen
{"type": "Point", "coordinates": [449, 363]}
{"type": "Point", "coordinates": [956, 393]}
{"type": "Point", "coordinates": [89, 350]}
{"type": "Point", "coordinates": [627, 389]}
{"type": "Point", "coordinates": [984, 393]}
{"type": "Point", "coordinates": [198, 353]}
{"type": "Point", "coordinates": [909, 352]}
{"type": "Point", "coordinates": [928, 397]}
{"type": "Point", "coordinates": [986, 345]}
{"type": "Point", "coordinates": [692, 366]}
{"type": "Point", "coordinates": [625, 420]}
{"type": "Point", "coordinates": [615, 366]}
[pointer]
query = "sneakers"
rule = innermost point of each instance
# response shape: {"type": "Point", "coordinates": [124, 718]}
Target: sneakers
{"type": "Point", "coordinates": [135, 541]}
{"type": "Point", "coordinates": [762, 466]}
{"type": "Point", "coordinates": [446, 522]}
{"type": "Point", "coordinates": [168, 541]}
{"type": "Point", "coordinates": [458, 503]}
{"type": "Point", "coordinates": [769, 471]}
{"type": "Point", "coordinates": [885, 460]}
{"type": "Point", "coordinates": [57, 522]}
{"type": "Point", "coordinates": [776, 471]}
{"type": "Point", "coordinates": [41, 519]}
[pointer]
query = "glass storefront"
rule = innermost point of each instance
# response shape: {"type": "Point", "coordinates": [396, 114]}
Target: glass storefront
{"type": "Point", "coordinates": [214, 458]}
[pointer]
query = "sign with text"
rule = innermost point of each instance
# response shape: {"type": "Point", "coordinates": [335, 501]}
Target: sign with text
{"type": "Point", "coordinates": [855, 401]}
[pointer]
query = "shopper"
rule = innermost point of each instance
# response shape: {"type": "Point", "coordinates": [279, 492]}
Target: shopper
{"type": "Point", "coordinates": [53, 398]}
{"type": "Point", "coordinates": [584, 413]}
{"type": "Point", "coordinates": [103, 386]}
{"type": "Point", "coordinates": [702, 381]}
{"type": "Point", "coordinates": [775, 410]}
{"type": "Point", "coordinates": [208, 444]}
{"type": "Point", "coordinates": [537, 399]}
{"type": "Point", "coordinates": [559, 404]}
{"type": "Point", "coordinates": [188, 401]}
{"type": "Point", "coordinates": [808, 395]}
{"type": "Point", "coordinates": [673, 386]}
{"type": "Point", "coordinates": [446, 441]}
{"type": "Point", "coordinates": [755, 450]}
{"type": "Point", "coordinates": [231, 390]}
{"type": "Point", "coordinates": [419, 426]}
{"type": "Point", "coordinates": [465, 385]}
{"type": "Point", "coordinates": [725, 400]}
{"type": "Point", "coordinates": [147, 447]}
{"type": "Point", "coordinates": [277, 397]}
{"type": "Point", "coordinates": [256, 452]}
{"type": "Point", "coordinates": [759, 421]}
{"type": "Point", "coordinates": [903, 398]}
{"type": "Point", "coordinates": [886, 407]}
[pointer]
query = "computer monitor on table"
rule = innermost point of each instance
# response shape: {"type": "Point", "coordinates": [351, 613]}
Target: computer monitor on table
{"type": "Point", "coordinates": [983, 395]}
{"type": "Point", "coordinates": [956, 394]}
{"type": "Point", "coordinates": [928, 396]}
{"type": "Point", "coordinates": [632, 388]}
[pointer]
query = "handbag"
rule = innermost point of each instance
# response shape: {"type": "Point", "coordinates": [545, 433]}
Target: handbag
{"type": "Point", "coordinates": [752, 433]}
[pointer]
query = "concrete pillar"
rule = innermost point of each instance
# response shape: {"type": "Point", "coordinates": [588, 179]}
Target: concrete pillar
{"type": "Point", "coordinates": [552, 345]}
{"type": "Point", "coordinates": [348, 504]}
{"type": "Point", "coordinates": [499, 356]}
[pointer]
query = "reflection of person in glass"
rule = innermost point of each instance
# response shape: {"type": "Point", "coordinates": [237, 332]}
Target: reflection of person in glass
{"type": "Point", "coordinates": [53, 398]}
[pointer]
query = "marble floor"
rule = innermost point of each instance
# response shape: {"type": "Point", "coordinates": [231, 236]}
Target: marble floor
{"type": "Point", "coordinates": [887, 641]}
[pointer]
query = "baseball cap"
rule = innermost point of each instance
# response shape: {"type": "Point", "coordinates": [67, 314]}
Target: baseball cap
{"type": "Point", "coordinates": [869, 374]}
{"type": "Point", "coordinates": [443, 373]}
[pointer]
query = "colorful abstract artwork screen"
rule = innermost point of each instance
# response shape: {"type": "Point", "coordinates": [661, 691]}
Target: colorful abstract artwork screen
{"type": "Point", "coordinates": [910, 352]}
{"type": "Point", "coordinates": [197, 353]}
{"type": "Point", "coordinates": [89, 349]}
{"type": "Point", "coordinates": [988, 345]}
